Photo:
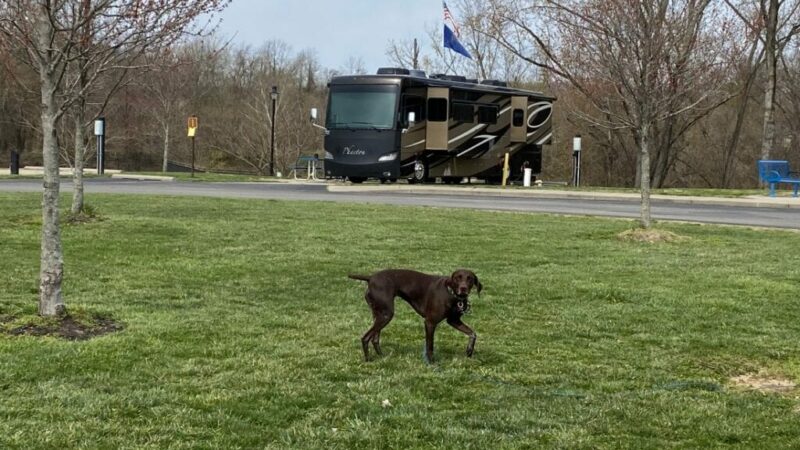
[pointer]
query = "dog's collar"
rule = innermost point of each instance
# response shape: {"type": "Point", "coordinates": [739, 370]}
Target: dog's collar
{"type": "Point", "coordinates": [463, 305]}
{"type": "Point", "coordinates": [462, 302]}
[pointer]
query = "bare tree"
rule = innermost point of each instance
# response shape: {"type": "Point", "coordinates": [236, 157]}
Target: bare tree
{"type": "Point", "coordinates": [638, 63]}
{"type": "Point", "coordinates": [242, 128]}
{"type": "Point", "coordinates": [52, 36]}
{"type": "Point", "coordinates": [110, 45]}
{"type": "Point", "coordinates": [354, 65]}
{"type": "Point", "coordinates": [404, 53]}
{"type": "Point", "coordinates": [775, 22]}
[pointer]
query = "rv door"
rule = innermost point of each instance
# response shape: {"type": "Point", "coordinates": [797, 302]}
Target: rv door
{"type": "Point", "coordinates": [438, 118]}
{"type": "Point", "coordinates": [519, 118]}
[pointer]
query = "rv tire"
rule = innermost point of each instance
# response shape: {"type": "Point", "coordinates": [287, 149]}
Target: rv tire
{"type": "Point", "coordinates": [357, 180]}
{"type": "Point", "coordinates": [420, 174]}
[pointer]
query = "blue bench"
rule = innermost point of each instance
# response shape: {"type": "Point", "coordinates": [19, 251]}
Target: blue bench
{"type": "Point", "coordinates": [777, 171]}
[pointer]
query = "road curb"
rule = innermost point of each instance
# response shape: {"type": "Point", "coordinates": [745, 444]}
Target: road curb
{"type": "Point", "coordinates": [126, 176]}
{"type": "Point", "coordinates": [755, 202]}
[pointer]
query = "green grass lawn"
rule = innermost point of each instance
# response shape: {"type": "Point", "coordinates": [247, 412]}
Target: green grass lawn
{"type": "Point", "coordinates": [242, 331]}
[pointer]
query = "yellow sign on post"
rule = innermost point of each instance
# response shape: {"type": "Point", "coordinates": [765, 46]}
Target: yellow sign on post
{"type": "Point", "coordinates": [506, 170]}
{"type": "Point", "coordinates": [192, 126]}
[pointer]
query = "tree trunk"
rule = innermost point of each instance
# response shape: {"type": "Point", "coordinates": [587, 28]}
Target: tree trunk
{"type": "Point", "coordinates": [771, 55]}
{"type": "Point", "coordinates": [80, 116]}
{"type": "Point", "coordinates": [80, 154]}
{"type": "Point", "coordinates": [51, 270]}
{"type": "Point", "coordinates": [164, 165]}
{"type": "Point", "coordinates": [729, 152]}
{"type": "Point", "coordinates": [644, 172]}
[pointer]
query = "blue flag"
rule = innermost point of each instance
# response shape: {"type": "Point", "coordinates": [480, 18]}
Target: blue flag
{"type": "Point", "coordinates": [451, 35]}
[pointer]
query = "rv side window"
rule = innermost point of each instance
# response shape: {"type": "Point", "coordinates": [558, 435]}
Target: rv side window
{"type": "Point", "coordinates": [463, 112]}
{"type": "Point", "coordinates": [487, 114]}
{"type": "Point", "coordinates": [437, 109]}
{"type": "Point", "coordinates": [415, 104]}
{"type": "Point", "coordinates": [518, 117]}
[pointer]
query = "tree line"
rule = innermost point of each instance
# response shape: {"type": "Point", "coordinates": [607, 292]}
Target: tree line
{"type": "Point", "coordinates": [705, 66]}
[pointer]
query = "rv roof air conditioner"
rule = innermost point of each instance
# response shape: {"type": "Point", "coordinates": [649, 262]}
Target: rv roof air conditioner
{"type": "Point", "coordinates": [495, 83]}
{"type": "Point", "coordinates": [393, 71]}
{"type": "Point", "coordinates": [417, 73]}
{"type": "Point", "coordinates": [441, 76]}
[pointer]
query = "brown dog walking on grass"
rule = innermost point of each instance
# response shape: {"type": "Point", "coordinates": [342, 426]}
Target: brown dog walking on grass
{"type": "Point", "coordinates": [433, 297]}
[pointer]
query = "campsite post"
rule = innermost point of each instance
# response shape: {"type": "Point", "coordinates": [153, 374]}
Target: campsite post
{"type": "Point", "coordinates": [100, 132]}
{"type": "Point", "coordinates": [191, 133]}
{"type": "Point", "coordinates": [576, 160]}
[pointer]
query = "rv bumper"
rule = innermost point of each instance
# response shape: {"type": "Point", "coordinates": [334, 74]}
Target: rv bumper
{"type": "Point", "coordinates": [390, 169]}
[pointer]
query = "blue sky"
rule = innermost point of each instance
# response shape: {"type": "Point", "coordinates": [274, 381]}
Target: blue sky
{"type": "Point", "coordinates": [336, 30]}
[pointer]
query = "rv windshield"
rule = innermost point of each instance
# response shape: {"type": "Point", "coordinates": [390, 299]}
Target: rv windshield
{"type": "Point", "coordinates": [362, 107]}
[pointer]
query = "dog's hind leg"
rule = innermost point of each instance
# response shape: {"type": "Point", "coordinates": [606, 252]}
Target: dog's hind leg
{"type": "Point", "coordinates": [382, 314]}
{"type": "Point", "coordinates": [381, 320]}
{"type": "Point", "coordinates": [376, 342]}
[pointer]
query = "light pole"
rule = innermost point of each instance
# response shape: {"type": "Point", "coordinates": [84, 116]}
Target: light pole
{"type": "Point", "coordinates": [576, 160]}
{"type": "Point", "coordinates": [274, 96]}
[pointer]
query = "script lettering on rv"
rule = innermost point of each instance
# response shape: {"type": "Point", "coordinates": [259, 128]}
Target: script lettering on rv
{"type": "Point", "coordinates": [353, 150]}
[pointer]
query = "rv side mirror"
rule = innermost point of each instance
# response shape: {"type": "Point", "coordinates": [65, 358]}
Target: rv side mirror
{"type": "Point", "coordinates": [313, 114]}
{"type": "Point", "coordinates": [412, 117]}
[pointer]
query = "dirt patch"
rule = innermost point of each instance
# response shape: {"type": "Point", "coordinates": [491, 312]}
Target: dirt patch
{"type": "Point", "coordinates": [68, 328]}
{"type": "Point", "coordinates": [763, 383]}
{"type": "Point", "coordinates": [650, 236]}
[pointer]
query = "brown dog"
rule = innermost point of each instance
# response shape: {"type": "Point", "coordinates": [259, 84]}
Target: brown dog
{"type": "Point", "coordinates": [434, 297]}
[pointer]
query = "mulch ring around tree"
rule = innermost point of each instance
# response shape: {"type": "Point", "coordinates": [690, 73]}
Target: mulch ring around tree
{"type": "Point", "coordinates": [66, 327]}
{"type": "Point", "coordinates": [650, 236]}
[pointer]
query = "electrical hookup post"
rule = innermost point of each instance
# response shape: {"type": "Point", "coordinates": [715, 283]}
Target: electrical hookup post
{"type": "Point", "coordinates": [576, 160]}
{"type": "Point", "coordinates": [192, 130]}
{"type": "Point", "coordinates": [100, 132]}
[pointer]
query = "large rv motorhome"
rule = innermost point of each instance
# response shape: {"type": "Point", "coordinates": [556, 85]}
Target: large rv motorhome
{"type": "Point", "coordinates": [402, 123]}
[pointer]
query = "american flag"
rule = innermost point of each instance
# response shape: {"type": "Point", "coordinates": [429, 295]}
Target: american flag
{"type": "Point", "coordinates": [449, 18]}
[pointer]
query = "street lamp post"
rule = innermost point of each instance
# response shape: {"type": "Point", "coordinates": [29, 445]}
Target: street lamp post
{"type": "Point", "coordinates": [274, 96]}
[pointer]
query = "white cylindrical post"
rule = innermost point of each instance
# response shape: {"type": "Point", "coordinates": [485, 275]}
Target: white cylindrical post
{"type": "Point", "coordinates": [526, 177]}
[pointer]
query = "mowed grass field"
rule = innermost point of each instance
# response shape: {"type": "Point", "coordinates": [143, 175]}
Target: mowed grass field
{"type": "Point", "coordinates": [242, 331]}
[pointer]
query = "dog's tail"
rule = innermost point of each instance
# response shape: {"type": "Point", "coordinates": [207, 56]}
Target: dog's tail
{"type": "Point", "coordinates": [359, 277]}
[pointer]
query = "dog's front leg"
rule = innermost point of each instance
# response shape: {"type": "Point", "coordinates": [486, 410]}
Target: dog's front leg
{"type": "Point", "coordinates": [430, 329]}
{"type": "Point", "coordinates": [456, 323]}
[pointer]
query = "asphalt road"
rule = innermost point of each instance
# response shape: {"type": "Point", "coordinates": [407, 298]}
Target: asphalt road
{"type": "Point", "coordinates": [618, 207]}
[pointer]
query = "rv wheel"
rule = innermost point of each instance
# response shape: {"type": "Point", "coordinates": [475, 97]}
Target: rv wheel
{"type": "Point", "coordinates": [420, 174]}
{"type": "Point", "coordinates": [357, 180]}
